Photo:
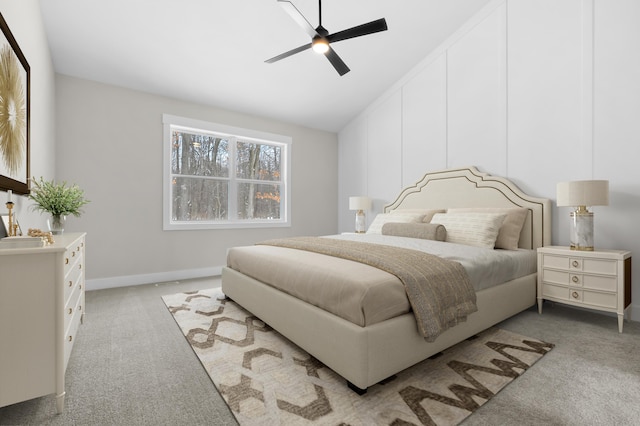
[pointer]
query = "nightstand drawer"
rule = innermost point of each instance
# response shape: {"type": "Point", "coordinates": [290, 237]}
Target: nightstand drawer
{"type": "Point", "coordinates": [555, 292]}
{"type": "Point", "coordinates": [599, 266]}
{"type": "Point", "coordinates": [557, 262]}
{"type": "Point", "coordinates": [558, 277]}
{"type": "Point", "coordinates": [602, 300]}
{"type": "Point", "coordinates": [598, 282]}
{"type": "Point", "coordinates": [594, 282]}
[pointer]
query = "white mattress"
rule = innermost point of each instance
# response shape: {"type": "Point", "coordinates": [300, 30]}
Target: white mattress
{"type": "Point", "coordinates": [362, 294]}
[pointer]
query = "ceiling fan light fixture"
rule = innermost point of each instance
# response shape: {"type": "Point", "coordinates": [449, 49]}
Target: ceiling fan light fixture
{"type": "Point", "coordinates": [320, 45]}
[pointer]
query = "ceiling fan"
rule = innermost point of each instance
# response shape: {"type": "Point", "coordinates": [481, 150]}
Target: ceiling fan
{"type": "Point", "coordinates": [321, 39]}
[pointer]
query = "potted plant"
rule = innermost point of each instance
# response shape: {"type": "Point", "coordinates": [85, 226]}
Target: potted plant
{"type": "Point", "coordinates": [57, 199]}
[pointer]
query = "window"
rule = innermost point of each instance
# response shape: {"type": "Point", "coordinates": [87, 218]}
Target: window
{"type": "Point", "coordinates": [218, 176]}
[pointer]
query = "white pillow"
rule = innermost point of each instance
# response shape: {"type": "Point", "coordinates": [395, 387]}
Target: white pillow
{"type": "Point", "coordinates": [509, 234]}
{"type": "Point", "coordinates": [398, 217]}
{"type": "Point", "coordinates": [472, 229]}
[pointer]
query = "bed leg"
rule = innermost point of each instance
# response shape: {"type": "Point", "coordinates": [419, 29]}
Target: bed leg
{"type": "Point", "coordinates": [356, 389]}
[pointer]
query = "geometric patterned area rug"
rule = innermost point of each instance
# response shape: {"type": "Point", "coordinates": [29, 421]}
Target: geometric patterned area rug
{"type": "Point", "coordinates": [267, 380]}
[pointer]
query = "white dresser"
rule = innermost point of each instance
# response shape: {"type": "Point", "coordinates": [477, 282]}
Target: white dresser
{"type": "Point", "coordinates": [41, 308]}
{"type": "Point", "coordinates": [598, 279]}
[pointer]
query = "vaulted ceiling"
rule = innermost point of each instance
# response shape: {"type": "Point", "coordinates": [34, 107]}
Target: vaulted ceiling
{"type": "Point", "coordinates": [212, 52]}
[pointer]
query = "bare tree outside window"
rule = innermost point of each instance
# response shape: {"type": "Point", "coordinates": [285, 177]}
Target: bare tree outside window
{"type": "Point", "coordinates": [217, 178]}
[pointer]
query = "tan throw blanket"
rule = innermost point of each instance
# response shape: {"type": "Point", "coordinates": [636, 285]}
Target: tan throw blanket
{"type": "Point", "coordinates": [438, 290]}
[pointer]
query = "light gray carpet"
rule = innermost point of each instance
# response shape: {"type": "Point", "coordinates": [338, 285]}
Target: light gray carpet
{"type": "Point", "coordinates": [131, 365]}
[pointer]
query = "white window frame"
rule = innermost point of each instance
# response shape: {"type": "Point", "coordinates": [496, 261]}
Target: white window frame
{"type": "Point", "coordinates": [171, 121]}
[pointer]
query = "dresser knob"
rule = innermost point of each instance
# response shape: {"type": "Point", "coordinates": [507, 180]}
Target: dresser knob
{"type": "Point", "coordinates": [70, 338]}
{"type": "Point", "coordinates": [66, 260]}
{"type": "Point", "coordinates": [70, 283]}
{"type": "Point", "coordinates": [574, 294]}
{"type": "Point", "coordinates": [70, 311]}
{"type": "Point", "coordinates": [73, 254]}
{"type": "Point", "coordinates": [575, 263]}
{"type": "Point", "coordinates": [575, 279]}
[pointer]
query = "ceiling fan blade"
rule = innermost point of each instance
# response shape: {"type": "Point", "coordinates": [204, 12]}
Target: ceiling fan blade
{"type": "Point", "coordinates": [337, 63]}
{"type": "Point", "coordinates": [360, 30]}
{"type": "Point", "coordinates": [289, 53]}
{"type": "Point", "coordinates": [298, 17]}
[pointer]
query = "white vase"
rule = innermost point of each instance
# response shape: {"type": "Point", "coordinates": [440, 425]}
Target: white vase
{"type": "Point", "coordinates": [56, 224]}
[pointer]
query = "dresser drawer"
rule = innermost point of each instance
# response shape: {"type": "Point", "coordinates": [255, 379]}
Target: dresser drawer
{"type": "Point", "coordinates": [71, 281]}
{"type": "Point", "coordinates": [73, 256]}
{"type": "Point", "coordinates": [71, 331]}
{"type": "Point", "coordinates": [71, 306]}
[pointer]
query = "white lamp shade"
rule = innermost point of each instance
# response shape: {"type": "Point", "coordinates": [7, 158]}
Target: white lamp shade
{"type": "Point", "coordinates": [359, 203]}
{"type": "Point", "coordinates": [583, 193]}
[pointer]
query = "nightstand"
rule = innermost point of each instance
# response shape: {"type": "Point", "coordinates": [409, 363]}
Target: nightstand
{"type": "Point", "coordinates": [599, 279]}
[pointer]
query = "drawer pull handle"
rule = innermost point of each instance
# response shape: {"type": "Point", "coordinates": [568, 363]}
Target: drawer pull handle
{"type": "Point", "coordinates": [78, 248]}
{"type": "Point", "coordinates": [575, 263]}
{"type": "Point", "coordinates": [575, 279]}
{"type": "Point", "coordinates": [70, 338]}
{"type": "Point", "coordinates": [66, 260]}
{"type": "Point", "coordinates": [70, 283]}
{"type": "Point", "coordinates": [70, 311]}
{"type": "Point", "coordinates": [80, 266]}
{"type": "Point", "coordinates": [73, 254]}
{"type": "Point", "coordinates": [574, 294]}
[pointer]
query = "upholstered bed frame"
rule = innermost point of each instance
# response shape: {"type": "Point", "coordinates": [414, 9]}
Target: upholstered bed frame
{"type": "Point", "coordinates": [366, 355]}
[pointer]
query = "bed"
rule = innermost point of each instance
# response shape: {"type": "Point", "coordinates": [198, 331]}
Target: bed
{"type": "Point", "coordinates": [365, 354]}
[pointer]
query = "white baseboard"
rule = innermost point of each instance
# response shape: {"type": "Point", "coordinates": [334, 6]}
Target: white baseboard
{"type": "Point", "coordinates": [130, 280]}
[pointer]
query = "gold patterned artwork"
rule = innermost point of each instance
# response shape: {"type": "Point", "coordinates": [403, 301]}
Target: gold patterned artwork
{"type": "Point", "coordinates": [12, 111]}
{"type": "Point", "coordinates": [15, 91]}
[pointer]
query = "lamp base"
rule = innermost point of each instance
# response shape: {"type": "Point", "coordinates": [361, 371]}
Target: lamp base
{"type": "Point", "coordinates": [581, 230]}
{"type": "Point", "coordinates": [361, 225]}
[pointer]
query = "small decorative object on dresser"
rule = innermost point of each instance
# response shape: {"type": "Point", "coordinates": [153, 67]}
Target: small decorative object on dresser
{"type": "Point", "coordinates": [41, 308]}
{"type": "Point", "coordinates": [598, 279]}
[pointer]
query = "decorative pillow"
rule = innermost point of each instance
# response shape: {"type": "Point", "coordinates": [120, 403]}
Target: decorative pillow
{"type": "Point", "coordinates": [425, 231]}
{"type": "Point", "coordinates": [472, 229]}
{"type": "Point", "coordinates": [382, 218]}
{"type": "Point", "coordinates": [428, 213]}
{"type": "Point", "coordinates": [509, 234]}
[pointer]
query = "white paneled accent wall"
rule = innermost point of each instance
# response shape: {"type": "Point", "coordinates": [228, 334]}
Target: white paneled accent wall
{"type": "Point", "coordinates": [476, 95]}
{"type": "Point", "coordinates": [539, 91]}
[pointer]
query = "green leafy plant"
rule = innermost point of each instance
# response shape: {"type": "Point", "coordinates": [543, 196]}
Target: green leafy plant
{"type": "Point", "coordinates": [58, 199]}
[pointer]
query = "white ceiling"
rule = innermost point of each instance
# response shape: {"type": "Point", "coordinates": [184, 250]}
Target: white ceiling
{"type": "Point", "coordinates": [212, 52]}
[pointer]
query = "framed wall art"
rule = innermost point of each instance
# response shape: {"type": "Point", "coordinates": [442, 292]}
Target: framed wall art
{"type": "Point", "coordinates": [15, 94]}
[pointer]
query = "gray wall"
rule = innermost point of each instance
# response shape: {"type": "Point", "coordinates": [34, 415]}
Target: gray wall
{"type": "Point", "coordinates": [109, 141]}
{"type": "Point", "coordinates": [539, 91]}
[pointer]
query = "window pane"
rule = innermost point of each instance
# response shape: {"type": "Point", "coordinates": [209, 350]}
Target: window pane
{"type": "Point", "coordinates": [199, 155]}
{"type": "Point", "coordinates": [258, 161]}
{"type": "Point", "coordinates": [258, 201]}
{"type": "Point", "coordinates": [199, 199]}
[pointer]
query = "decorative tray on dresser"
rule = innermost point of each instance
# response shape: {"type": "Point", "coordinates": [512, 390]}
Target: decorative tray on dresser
{"type": "Point", "coordinates": [41, 308]}
{"type": "Point", "coordinates": [599, 279]}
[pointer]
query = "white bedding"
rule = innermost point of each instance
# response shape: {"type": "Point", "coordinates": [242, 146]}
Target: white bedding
{"type": "Point", "coordinates": [486, 267]}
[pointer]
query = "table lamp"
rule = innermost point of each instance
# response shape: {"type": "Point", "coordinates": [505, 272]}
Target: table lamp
{"type": "Point", "coordinates": [360, 204]}
{"type": "Point", "coordinates": [580, 194]}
